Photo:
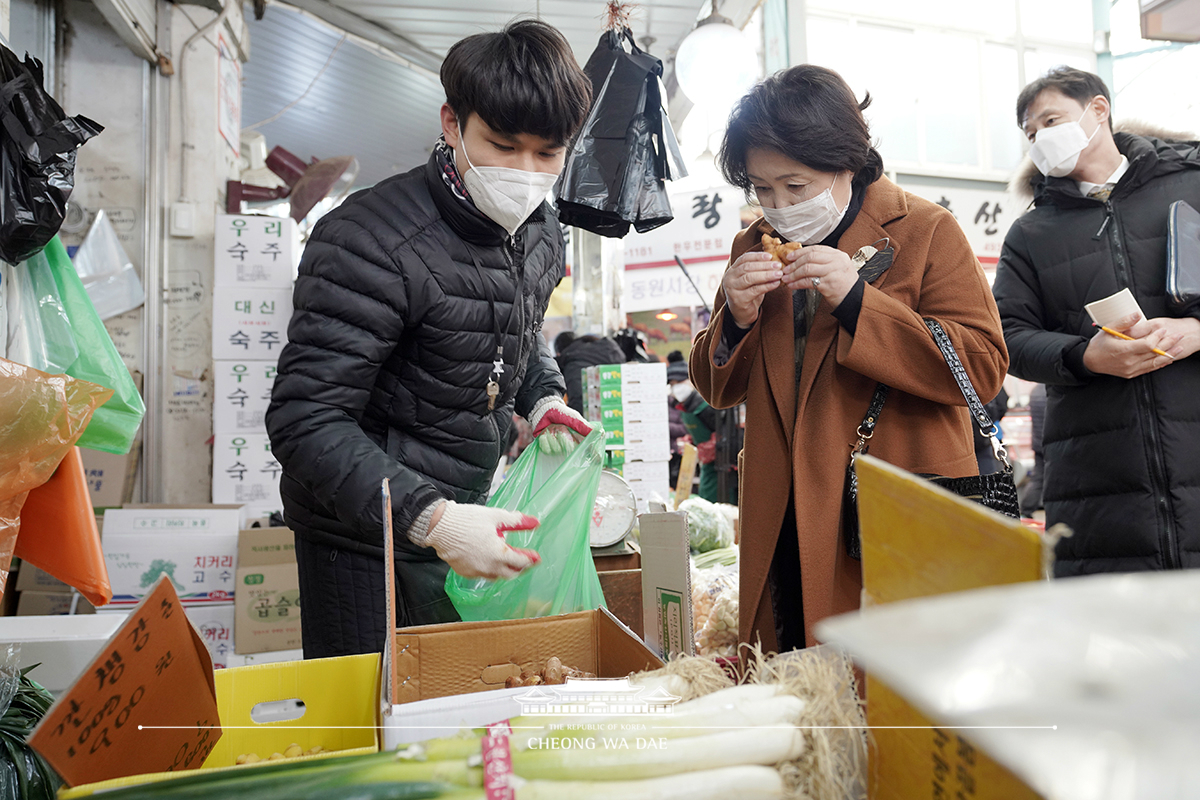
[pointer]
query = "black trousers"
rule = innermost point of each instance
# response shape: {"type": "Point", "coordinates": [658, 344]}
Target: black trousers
{"type": "Point", "coordinates": [344, 606]}
{"type": "Point", "coordinates": [783, 580]}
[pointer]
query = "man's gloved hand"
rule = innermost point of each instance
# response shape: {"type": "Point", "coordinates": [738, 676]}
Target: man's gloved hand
{"type": "Point", "coordinates": [554, 425]}
{"type": "Point", "coordinates": [470, 539]}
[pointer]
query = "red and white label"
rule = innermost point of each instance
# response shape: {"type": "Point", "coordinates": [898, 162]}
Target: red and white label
{"type": "Point", "coordinates": [497, 762]}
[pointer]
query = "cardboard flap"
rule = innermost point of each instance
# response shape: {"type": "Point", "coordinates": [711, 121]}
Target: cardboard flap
{"type": "Point", "coordinates": [667, 583]}
{"type": "Point", "coordinates": [920, 540]}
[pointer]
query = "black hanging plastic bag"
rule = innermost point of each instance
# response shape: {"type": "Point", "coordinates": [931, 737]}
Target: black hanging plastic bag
{"type": "Point", "coordinates": [38, 142]}
{"type": "Point", "coordinates": [615, 171]}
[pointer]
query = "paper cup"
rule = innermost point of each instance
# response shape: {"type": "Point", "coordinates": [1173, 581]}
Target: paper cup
{"type": "Point", "coordinates": [1110, 310]}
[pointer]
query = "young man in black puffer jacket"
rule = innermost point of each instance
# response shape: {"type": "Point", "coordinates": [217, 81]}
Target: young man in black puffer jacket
{"type": "Point", "coordinates": [1122, 430]}
{"type": "Point", "coordinates": [416, 334]}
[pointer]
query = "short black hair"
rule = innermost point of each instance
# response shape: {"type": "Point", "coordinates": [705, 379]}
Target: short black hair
{"type": "Point", "coordinates": [808, 114]}
{"type": "Point", "coordinates": [1076, 84]}
{"type": "Point", "coordinates": [562, 341]}
{"type": "Point", "coordinates": [524, 79]}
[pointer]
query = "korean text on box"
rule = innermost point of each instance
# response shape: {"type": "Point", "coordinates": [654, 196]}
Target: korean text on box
{"type": "Point", "coordinates": [245, 471]}
{"type": "Point", "coordinates": [250, 324]}
{"type": "Point", "coordinates": [256, 251]}
{"type": "Point", "coordinates": [241, 394]}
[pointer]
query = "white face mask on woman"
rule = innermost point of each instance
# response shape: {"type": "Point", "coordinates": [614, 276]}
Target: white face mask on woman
{"type": "Point", "coordinates": [808, 221]}
{"type": "Point", "coordinates": [1056, 149]}
{"type": "Point", "coordinates": [504, 195]}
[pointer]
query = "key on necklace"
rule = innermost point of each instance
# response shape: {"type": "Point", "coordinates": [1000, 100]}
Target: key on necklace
{"type": "Point", "coordinates": [493, 390]}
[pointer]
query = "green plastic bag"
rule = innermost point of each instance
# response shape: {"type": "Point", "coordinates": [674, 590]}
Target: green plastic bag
{"type": "Point", "coordinates": [115, 423]}
{"type": "Point", "coordinates": [560, 491]}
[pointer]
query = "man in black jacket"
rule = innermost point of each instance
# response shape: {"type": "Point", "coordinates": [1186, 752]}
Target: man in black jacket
{"type": "Point", "coordinates": [1122, 426]}
{"type": "Point", "coordinates": [416, 334]}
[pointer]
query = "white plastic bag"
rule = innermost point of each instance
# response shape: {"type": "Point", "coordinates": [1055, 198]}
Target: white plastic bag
{"type": "Point", "coordinates": [106, 271]}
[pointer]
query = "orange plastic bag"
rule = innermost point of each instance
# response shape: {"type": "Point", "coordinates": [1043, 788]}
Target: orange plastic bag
{"type": "Point", "coordinates": [41, 418]}
{"type": "Point", "coordinates": [59, 533]}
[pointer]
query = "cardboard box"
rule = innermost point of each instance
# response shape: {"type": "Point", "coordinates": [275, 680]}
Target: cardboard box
{"type": "Point", "coordinates": [920, 541]}
{"type": "Point", "coordinates": [241, 394]}
{"type": "Point", "coordinates": [63, 646]}
{"type": "Point", "coordinates": [650, 480]}
{"type": "Point", "coordinates": [200, 565]}
{"type": "Point", "coordinates": [666, 583]}
{"type": "Point", "coordinates": [40, 604]}
{"type": "Point", "coordinates": [236, 659]}
{"type": "Point", "coordinates": [32, 579]}
{"type": "Point", "coordinates": [245, 473]}
{"type": "Point", "coordinates": [214, 622]}
{"type": "Point", "coordinates": [111, 478]}
{"type": "Point", "coordinates": [267, 599]}
{"type": "Point", "coordinates": [151, 518]}
{"type": "Point", "coordinates": [463, 657]}
{"type": "Point", "coordinates": [250, 323]}
{"type": "Point", "coordinates": [255, 251]}
{"type": "Point", "coordinates": [340, 711]}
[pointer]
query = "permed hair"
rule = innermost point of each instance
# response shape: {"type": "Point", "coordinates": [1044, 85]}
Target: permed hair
{"type": "Point", "coordinates": [808, 114]}
{"type": "Point", "coordinates": [1074, 83]}
{"type": "Point", "coordinates": [524, 79]}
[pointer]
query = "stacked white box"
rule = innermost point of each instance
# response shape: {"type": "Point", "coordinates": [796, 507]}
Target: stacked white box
{"type": "Point", "coordinates": [256, 260]}
{"type": "Point", "coordinates": [195, 547]}
{"type": "Point", "coordinates": [630, 400]}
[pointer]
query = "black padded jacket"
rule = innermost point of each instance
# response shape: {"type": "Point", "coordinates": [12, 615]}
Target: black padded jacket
{"type": "Point", "coordinates": [402, 293]}
{"type": "Point", "coordinates": [1122, 457]}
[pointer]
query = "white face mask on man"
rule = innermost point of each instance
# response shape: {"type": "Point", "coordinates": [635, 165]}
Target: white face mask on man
{"type": "Point", "coordinates": [808, 221]}
{"type": "Point", "coordinates": [1056, 149]}
{"type": "Point", "coordinates": [504, 195]}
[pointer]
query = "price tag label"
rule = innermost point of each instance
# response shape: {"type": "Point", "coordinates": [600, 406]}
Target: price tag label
{"type": "Point", "coordinates": [147, 703]}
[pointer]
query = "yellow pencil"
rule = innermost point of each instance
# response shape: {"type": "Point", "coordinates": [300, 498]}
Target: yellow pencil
{"type": "Point", "coordinates": [1120, 335]}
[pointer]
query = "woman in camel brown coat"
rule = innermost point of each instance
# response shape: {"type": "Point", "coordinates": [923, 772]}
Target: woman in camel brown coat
{"type": "Point", "coordinates": [805, 342]}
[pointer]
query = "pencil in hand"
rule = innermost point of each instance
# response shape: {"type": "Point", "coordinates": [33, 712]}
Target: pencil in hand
{"type": "Point", "coordinates": [1120, 335]}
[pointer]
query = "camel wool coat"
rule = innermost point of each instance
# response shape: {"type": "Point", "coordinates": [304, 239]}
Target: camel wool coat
{"type": "Point", "coordinates": [797, 443]}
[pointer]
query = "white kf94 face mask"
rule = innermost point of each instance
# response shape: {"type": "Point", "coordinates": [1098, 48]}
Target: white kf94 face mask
{"type": "Point", "coordinates": [1056, 149]}
{"type": "Point", "coordinates": [808, 221]}
{"type": "Point", "coordinates": [506, 196]}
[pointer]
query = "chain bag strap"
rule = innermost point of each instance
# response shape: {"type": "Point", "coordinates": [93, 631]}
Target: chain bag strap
{"type": "Point", "coordinates": [997, 491]}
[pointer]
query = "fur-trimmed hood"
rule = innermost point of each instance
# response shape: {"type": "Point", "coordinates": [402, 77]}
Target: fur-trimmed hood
{"type": "Point", "coordinates": [1027, 178]}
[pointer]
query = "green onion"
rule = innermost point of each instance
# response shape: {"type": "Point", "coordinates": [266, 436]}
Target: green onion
{"type": "Point", "coordinates": [742, 783]}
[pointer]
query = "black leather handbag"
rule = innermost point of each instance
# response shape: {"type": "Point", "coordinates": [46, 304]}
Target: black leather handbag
{"type": "Point", "coordinates": [997, 491]}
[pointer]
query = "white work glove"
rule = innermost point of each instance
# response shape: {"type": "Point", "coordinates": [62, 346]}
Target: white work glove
{"type": "Point", "coordinates": [470, 539]}
{"type": "Point", "coordinates": [554, 424]}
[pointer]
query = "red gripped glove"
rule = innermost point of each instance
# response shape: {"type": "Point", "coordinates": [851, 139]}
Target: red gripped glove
{"type": "Point", "coordinates": [470, 539]}
{"type": "Point", "coordinates": [554, 423]}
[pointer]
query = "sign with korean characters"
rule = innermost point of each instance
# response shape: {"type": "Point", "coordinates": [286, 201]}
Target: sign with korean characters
{"type": "Point", "coordinates": [241, 394]}
{"type": "Point", "coordinates": [245, 472]}
{"type": "Point", "coordinates": [250, 324]}
{"type": "Point", "coordinates": [985, 215]}
{"type": "Point", "coordinates": [256, 251]}
{"type": "Point", "coordinates": [147, 703]}
{"type": "Point", "coordinates": [701, 234]}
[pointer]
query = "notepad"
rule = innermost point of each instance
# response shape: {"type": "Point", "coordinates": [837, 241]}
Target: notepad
{"type": "Point", "coordinates": [1114, 308]}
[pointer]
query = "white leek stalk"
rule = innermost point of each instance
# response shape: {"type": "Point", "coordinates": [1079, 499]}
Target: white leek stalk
{"type": "Point", "coordinates": [657, 757]}
{"type": "Point", "coordinates": [701, 722]}
{"type": "Point", "coordinates": [739, 783]}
